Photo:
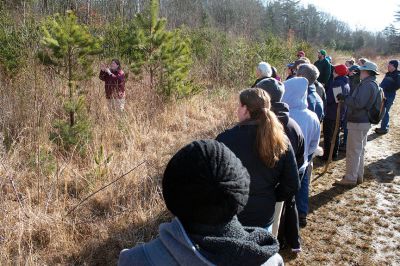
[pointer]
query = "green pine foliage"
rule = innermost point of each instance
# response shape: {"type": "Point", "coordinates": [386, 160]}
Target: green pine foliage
{"type": "Point", "coordinates": [164, 56]}
{"type": "Point", "coordinates": [12, 50]}
{"type": "Point", "coordinates": [69, 48]}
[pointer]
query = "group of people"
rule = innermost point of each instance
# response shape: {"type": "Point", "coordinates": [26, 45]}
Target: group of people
{"type": "Point", "coordinates": [223, 192]}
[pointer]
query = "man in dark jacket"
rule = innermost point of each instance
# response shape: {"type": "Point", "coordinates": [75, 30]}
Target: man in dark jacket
{"type": "Point", "coordinates": [390, 84]}
{"type": "Point", "coordinates": [289, 226]}
{"type": "Point", "coordinates": [324, 68]}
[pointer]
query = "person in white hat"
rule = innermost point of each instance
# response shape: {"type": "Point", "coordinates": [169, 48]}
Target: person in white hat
{"type": "Point", "coordinates": [358, 123]}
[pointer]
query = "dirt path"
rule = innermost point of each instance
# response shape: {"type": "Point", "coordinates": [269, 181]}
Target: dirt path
{"type": "Point", "coordinates": [358, 226]}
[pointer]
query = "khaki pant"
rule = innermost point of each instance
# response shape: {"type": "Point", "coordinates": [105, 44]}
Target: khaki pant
{"type": "Point", "coordinates": [116, 104]}
{"type": "Point", "coordinates": [355, 148]}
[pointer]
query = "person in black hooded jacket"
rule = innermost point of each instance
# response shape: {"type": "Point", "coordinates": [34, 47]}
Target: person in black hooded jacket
{"type": "Point", "coordinates": [275, 89]}
{"type": "Point", "coordinates": [259, 141]}
{"type": "Point", "coordinates": [289, 229]}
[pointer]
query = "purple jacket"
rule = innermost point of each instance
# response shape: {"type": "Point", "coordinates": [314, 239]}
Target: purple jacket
{"type": "Point", "coordinates": [114, 84]}
{"type": "Point", "coordinates": [331, 105]}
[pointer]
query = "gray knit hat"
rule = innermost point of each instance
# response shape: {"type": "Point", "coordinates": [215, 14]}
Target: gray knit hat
{"type": "Point", "coordinates": [274, 88]}
{"type": "Point", "coordinates": [308, 71]}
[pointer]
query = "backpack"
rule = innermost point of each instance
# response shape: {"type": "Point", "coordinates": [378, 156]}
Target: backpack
{"type": "Point", "coordinates": [378, 109]}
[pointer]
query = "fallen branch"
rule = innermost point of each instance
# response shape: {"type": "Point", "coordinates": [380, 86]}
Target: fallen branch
{"type": "Point", "coordinates": [102, 188]}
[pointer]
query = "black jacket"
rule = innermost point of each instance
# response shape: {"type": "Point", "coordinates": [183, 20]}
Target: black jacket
{"type": "Point", "coordinates": [391, 82]}
{"type": "Point", "coordinates": [325, 70]}
{"type": "Point", "coordinates": [292, 130]}
{"type": "Point", "coordinates": [267, 185]}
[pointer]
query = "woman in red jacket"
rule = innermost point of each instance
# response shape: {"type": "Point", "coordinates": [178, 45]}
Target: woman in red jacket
{"type": "Point", "coordinates": [114, 79]}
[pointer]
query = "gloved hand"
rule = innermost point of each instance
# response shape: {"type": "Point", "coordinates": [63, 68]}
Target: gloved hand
{"type": "Point", "coordinates": [340, 97]}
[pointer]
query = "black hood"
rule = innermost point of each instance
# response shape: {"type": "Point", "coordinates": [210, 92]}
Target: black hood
{"type": "Point", "coordinates": [281, 110]}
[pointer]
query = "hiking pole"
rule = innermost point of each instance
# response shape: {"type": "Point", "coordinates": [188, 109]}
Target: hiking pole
{"type": "Point", "coordinates": [333, 141]}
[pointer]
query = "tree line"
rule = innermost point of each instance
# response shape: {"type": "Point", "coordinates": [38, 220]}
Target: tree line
{"type": "Point", "coordinates": [249, 18]}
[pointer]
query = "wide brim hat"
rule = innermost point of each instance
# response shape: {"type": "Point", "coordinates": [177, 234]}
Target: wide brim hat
{"type": "Point", "coordinates": [370, 66]}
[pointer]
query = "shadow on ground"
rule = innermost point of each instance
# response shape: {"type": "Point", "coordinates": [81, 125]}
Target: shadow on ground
{"type": "Point", "coordinates": [386, 169]}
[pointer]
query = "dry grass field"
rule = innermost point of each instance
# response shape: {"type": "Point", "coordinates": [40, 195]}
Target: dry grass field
{"type": "Point", "coordinates": [40, 186]}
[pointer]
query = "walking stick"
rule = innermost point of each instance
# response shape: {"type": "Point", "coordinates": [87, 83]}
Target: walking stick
{"type": "Point", "coordinates": [333, 141]}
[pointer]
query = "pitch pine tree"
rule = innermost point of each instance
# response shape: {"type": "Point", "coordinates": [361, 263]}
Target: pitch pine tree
{"type": "Point", "coordinates": [163, 55]}
{"type": "Point", "coordinates": [68, 47]}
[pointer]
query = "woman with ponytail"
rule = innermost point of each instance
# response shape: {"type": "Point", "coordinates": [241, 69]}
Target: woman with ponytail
{"type": "Point", "coordinates": [259, 141]}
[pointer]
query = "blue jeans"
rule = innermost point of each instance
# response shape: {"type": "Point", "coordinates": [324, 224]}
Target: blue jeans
{"type": "Point", "coordinates": [302, 195]}
{"type": "Point", "coordinates": [389, 102]}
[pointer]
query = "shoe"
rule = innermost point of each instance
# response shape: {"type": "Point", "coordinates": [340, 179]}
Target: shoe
{"type": "Point", "coordinates": [302, 221]}
{"type": "Point", "coordinates": [381, 131]}
{"type": "Point", "coordinates": [360, 180]}
{"type": "Point", "coordinates": [345, 182]}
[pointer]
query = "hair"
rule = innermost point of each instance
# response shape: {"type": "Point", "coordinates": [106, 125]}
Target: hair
{"type": "Point", "coordinates": [363, 60]}
{"type": "Point", "coordinates": [274, 72]}
{"type": "Point", "coordinates": [302, 60]}
{"type": "Point", "coordinates": [271, 139]}
{"type": "Point", "coordinates": [117, 62]}
{"type": "Point", "coordinates": [265, 69]}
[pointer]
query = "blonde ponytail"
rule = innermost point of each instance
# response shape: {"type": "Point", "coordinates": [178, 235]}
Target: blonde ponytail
{"type": "Point", "coordinates": [271, 139]}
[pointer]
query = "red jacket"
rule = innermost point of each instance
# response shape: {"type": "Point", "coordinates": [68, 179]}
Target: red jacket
{"type": "Point", "coordinates": [114, 84]}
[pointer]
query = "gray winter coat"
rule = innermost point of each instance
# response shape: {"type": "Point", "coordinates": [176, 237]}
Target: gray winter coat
{"type": "Point", "coordinates": [174, 247]}
{"type": "Point", "coordinates": [360, 101]}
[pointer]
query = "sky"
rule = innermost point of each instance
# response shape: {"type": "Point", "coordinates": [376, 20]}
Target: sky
{"type": "Point", "coordinates": [371, 15]}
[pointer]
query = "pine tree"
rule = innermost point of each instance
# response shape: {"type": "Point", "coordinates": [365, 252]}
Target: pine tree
{"type": "Point", "coordinates": [12, 50]}
{"type": "Point", "coordinates": [68, 47]}
{"type": "Point", "coordinates": [163, 55]}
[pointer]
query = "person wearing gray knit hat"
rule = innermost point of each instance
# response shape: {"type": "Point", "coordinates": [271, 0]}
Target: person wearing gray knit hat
{"type": "Point", "coordinates": [205, 185]}
{"type": "Point", "coordinates": [275, 88]}
{"type": "Point", "coordinates": [311, 73]}
{"type": "Point", "coordinates": [308, 71]}
{"type": "Point", "coordinates": [315, 102]}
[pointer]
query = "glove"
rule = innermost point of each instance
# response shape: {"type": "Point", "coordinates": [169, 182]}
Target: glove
{"type": "Point", "coordinates": [340, 97]}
